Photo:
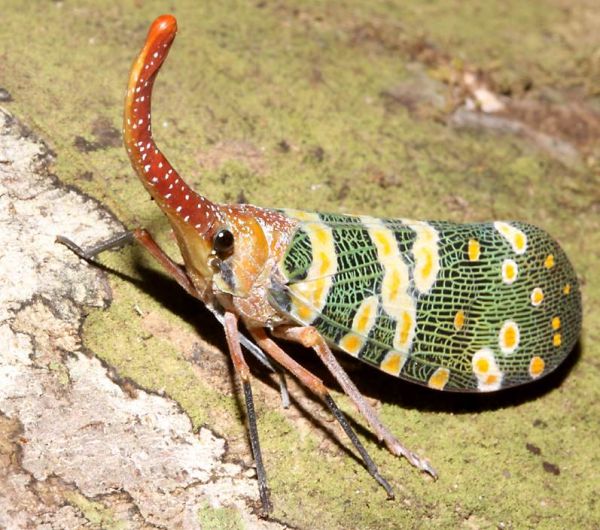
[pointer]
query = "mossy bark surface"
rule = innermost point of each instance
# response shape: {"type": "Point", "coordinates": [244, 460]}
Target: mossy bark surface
{"type": "Point", "coordinates": [379, 108]}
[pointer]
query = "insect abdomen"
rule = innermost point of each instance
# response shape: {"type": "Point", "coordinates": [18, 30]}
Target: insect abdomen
{"type": "Point", "coordinates": [453, 306]}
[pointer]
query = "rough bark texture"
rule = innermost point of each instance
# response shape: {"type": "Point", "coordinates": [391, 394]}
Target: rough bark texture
{"type": "Point", "coordinates": [78, 450]}
{"type": "Point", "coordinates": [114, 384]}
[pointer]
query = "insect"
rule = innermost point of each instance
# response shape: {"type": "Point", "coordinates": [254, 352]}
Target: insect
{"type": "Point", "coordinates": [456, 307]}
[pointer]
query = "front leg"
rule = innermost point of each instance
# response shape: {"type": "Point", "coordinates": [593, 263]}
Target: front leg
{"type": "Point", "coordinates": [241, 368]}
{"type": "Point", "coordinates": [144, 238]}
{"type": "Point", "coordinates": [311, 338]}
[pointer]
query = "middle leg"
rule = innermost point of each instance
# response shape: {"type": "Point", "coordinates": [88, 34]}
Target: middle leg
{"type": "Point", "coordinates": [310, 338]}
{"type": "Point", "coordinates": [314, 384]}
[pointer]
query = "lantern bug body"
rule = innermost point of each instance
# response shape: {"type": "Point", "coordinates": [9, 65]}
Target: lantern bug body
{"type": "Point", "coordinates": [461, 307]}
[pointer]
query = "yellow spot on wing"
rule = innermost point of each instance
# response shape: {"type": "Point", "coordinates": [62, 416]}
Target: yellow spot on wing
{"type": "Point", "coordinates": [318, 293]}
{"type": "Point", "coordinates": [549, 261]}
{"type": "Point", "coordinates": [520, 242]}
{"type": "Point", "coordinates": [536, 367]}
{"type": "Point", "coordinates": [489, 376]}
{"type": "Point", "coordinates": [310, 295]}
{"type": "Point", "coordinates": [351, 343]}
{"type": "Point", "coordinates": [321, 233]}
{"type": "Point", "coordinates": [385, 244]}
{"type": "Point", "coordinates": [362, 323]}
{"type": "Point", "coordinates": [392, 363]}
{"type": "Point", "coordinates": [490, 379]}
{"type": "Point", "coordinates": [439, 378]}
{"type": "Point", "coordinates": [406, 326]}
{"type": "Point", "coordinates": [482, 365]}
{"type": "Point", "coordinates": [427, 262]}
{"type": "Point", "coordinates": [425, 252]}
{"type": "Point", "coordinates": [567, 289]}
{"type": "Point", "coordinates": [516, 237]}
{"type": "Point", "coordinates": [383, 238]}
{"type": "Point", "coordinates": [459, 320]}
{"type": "Point", "coordinates": [392, 284]}
{"type": "Point", "coordinates": [508, 338]}
{"type": "Point", "coordinates": [556, 323]}
{"type": "Point", "coordinates": [503, 228]}
{"type": "Point", "coordinates": [364, 320]}
{"type": "Point", "coordinates": [304, 313]}
{"type": "Point", "coordinates": [395, 298]}
{"type": "Point", "coordinates": [510, 270]}
{"type": "Point", "coordinates": [325, 263]}
{"type": "Point", "coordinates": [557, 340]}
{"type": "Point", "coordinates": [474, 250]}
{"type": "Point", "coordinates": [537, 296]}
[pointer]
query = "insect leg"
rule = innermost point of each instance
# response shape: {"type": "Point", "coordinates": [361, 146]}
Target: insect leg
{"type": "Point", "coordinates": [147, 241]}
{"type": "Point", "coordinates": [235, 350]}
{"type": "Point", "coordinates": [117, 241]}
{"type": "Point", "coordinates": [314, 384]}
{"type": "Point", "coordinates": [310, 338]}
{"type": "Point", "coordinates": [260, 355]}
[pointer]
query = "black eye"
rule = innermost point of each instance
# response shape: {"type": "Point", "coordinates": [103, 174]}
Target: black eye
{"type": "Point", "coordinates": [223, 242]}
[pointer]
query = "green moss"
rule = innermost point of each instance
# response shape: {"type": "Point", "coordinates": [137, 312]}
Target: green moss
{"type": "Point", "coordinates": [61, 371]}
{"type": "Point", "coordinates": [96, 513]}
{"type": "Point", "coordinates": [219, 519]}
{"type": "Point", "coordinates": [300, 89]}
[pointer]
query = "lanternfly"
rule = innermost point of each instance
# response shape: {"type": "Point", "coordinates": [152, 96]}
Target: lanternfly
{"type": "Point", "coordinates": [456, 307]}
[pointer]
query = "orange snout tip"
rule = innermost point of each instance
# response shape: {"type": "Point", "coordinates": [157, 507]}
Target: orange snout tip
{"type": "Point", "coordinates": [164, 24]}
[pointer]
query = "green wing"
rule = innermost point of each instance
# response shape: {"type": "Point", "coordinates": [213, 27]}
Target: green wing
{"type": "Point", "coordinates": [461, 307]}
